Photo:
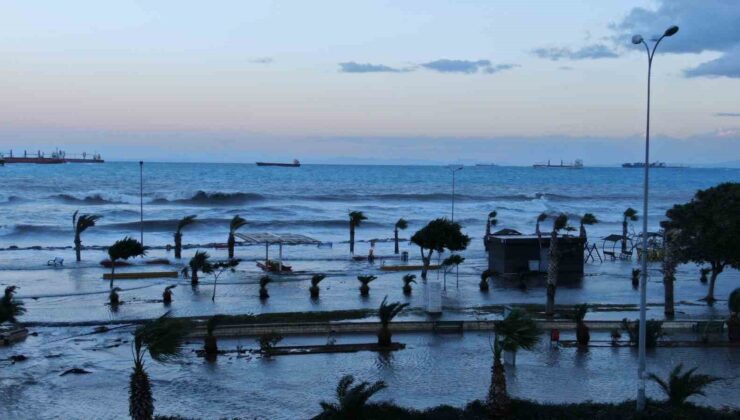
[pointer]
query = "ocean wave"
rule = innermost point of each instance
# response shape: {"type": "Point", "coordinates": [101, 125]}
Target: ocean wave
{"type": "Point", "coordinates": [203, 198]}
{"type": "Point", "coordinates": [94, 199]}
{"type": "Point", "coordinates": [12, 200]}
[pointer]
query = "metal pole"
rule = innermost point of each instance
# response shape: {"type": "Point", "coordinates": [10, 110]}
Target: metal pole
{"type": "Point", "coordinates": [141, 200]}
{"type": "Point", "coordinates": [453, 194]}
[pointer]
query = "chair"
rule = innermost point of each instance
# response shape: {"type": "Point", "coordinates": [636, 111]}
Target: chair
{"type": "Point", "coordinates": [56, 262]}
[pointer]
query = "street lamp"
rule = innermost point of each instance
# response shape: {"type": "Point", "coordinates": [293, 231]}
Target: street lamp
{"type": "Point", "coordinates": [637, 39]}
{"type": "Point", "coordinates": [141, 200]}
{"type": "Point", "coordinates": [454, 170]}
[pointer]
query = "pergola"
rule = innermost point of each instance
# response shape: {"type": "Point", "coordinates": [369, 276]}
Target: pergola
{"type": "Point", "coordinates": [276, 238]}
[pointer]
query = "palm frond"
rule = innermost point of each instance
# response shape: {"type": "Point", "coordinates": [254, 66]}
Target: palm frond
{"type": "Point", "coordinates": [409, 278]}
{"type": "Point", "coordinates": [356, 217]}
{"type": "Point", "coordinates": [454, 259]}
{"type": "Point", "coordinates": [163, 337]}
{"type": "Point", "coordinates": [316, 279]}
{"type": "Point", "coordinates": [630, 214]}
{"type": "Point", "coordinates": [581, 311]}
{"type": "Point", "coordinates": [126, 248]}
{"type": "Point", "coordinates": [237, 222]}
{"type": "Point", "coordinates": [560, 222]}
{"type": "Point", "coordinates": [518, 331]}
{"type": "Point", "coordinates": [542, 216]}
{"type": "Point", "coordinates": [680, 385]}
{"type": "Point", "coordinates": [10, 308]}
{"type": "Point", "coordinates": [185, 221]}
{"type": "Point", "coordinates": [388, 311]}
{"type": "Point", "coordinates": [589, 219]}
{"type": "Point", "coordinates": [366, 279]}
{"type": "Point", "coordinates": [86, 221]}
{"type": "Point", "coordinates": [201, 262]}
{"type": "Point", "coordinates": [402, 224]}
{"type": "Point", "coordinates": [264, 281]}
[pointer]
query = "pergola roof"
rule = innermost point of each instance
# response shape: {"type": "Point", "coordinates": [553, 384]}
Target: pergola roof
{"type": "Point", "coordinates": [277, 238]}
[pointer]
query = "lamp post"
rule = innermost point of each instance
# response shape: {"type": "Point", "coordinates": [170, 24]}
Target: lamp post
{"type": "Point", "coordinates": [454, 170]}
{"type": "Point", "coordinates": [637, 39]}
{"type": "Point", "coordinates": [141, 200]}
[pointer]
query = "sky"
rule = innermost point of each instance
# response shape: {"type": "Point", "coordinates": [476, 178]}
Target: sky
{"type": "Point", "coordinates": [414, 81]}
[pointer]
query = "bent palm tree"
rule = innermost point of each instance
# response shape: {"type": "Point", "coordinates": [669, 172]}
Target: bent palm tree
{"type": "Point", "coordinates": [455, 260]}
{"type": "Point", "coordinates": [386, 313]}
{"type": "Point", "coordinates": [350, 401]}
{"type": "Point", "coordinates": [491, 221]}
{"type": "Point", "coordinates": [162, 338]}
{"type": "Point", "coordinates": [199, 262]}
{"type": "Point", "coordinates": [682, 385]}
{"type": "Point", "coordinates": [365, 286]}
{"type": "Point", "coordinates": [113, 297]}
{"type": "Point", "coordinates": [10, 308]}
{"type": "Point", "coordinates": [122, 250]}
{"type": "Point", "coordinates": [314, 289]}
{"type": "Point", "coordinates": [407, 280]}
{"type": "Point", "coordinates": [236, 223]}
{"type": "Point", "coordinates": [629, 215]}
{"type": "Point", "coordinates": [167, 294]}
{"type": "Point", "coordinates": [541, 218]}
{"type": "Point", "coordinates": [264, 281]}
{"type": "Point", "coordinates": [185, 221]}
{"type": "Point", "coordinates": [81, 224]}
{"type": "Point", "coordinates": [516, 332]}
{"type": "Point", "coordinates": [553, 268]}
{"type": "Point", "coordinates": [355, 219]}
{"type": "Point", "coordinates": [401, 224]}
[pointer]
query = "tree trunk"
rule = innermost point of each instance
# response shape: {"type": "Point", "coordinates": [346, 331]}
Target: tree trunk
{"type": "Point", "coordinates": [710, 294]}
{"type": "Point", "coordinates": [178, 245]}
{"type": "Point", "coordinates": [552, 274]}
{"type": "Point", "coordinates": [167, 297]}
{"type": "Point", "coordinates": [624, 236]}
{"type": "Point", "coordinates": [583, 335]}
{"type": "Point", "coordinates": [364, 289]}
{"type": "Point", "coordinates": [407, 289]}
{"type": "Point", "coordinates": [351, 238]}
{"type": "Point", "coordinates": [669, 274]}
{"type": "Point", "coordinates": [78, 247]}
{"type": "Point", "coordinates": [395, 237]}
{"type": "Point", "coordinates": [425, 263]}
{"type": "Point", "coordinates": [314, 292]}
{"type": "Point", "coordinates": [498, 402]}
{"type": "Point", "coordinates": [231, 243]}
{"type": "Point", "coordinates": [112, 272]}
{"type": "Point", "coordinates": [384, 336]}
{"type": "Point", "coordinates": [210, 345]}
{"type": "Point", "coordinates": [140, 400]}
{"type": "Point", "coordinates": [194, 277]}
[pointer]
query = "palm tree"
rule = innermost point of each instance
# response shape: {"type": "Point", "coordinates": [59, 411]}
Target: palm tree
{"type": "Point", "coordinates": [583, 336]}
{"type": "Point", "coordinates": [350, 401]}
{"type": "Point", "coordinates": [401, 224]}
{"type": "Point", "coordinates": [670, 262]}
{"type": "Point", "coordinates": [491, 221]}
{"type": "Point", "coordinates": [185, 221]}
{"type": "Point", "coordinates": [682, 385]}
{"type": "Point", "coordinates": [210, 345]}
{"type": "Point", "coordinates": [629, 215]}
{"type": "Point", "coordinates": [199, 262]}
{"type": "Point", "coordinates": [81, 224]}
{"type": "Point", "coordinates": [407, 280]}
{"type": "Point", "coordinates": [553, 268]}
{"type": "Point", "coordinates": [364, 287]}
{"type": "Point", "coordinates": [587, 219]}
{"type": "Point", "coordinates": [314, 289]}
{"type": "Point", "coordinates": [636, 277]}
{"type": "Point", "coordinates": [541, 218]}
{"type": "Point", "coordinates": [484, 276]}
{"type": "Point", "coordinates": [386, 313]}
{"type": "Point", "coordinates": [113, 297]}
{"type": "Point", "coordinates": [236, 223]}
{"type": "Point", "coordinates": [10, 308]}
{"type": "Point", "coordinates": [162, 338]}
{"type": "Point", "coordinates": [355, 219]}
{"type": "Point", "coordinates": [122, 250]}
{"type": "Point", "coordinates": [455, 260]}
{"type": "Point", "coordinates": [264, 281]}
{"type": "Point", "coordinates": [516, 332]}
{"type": "Point", "coordinates": [167, 294]}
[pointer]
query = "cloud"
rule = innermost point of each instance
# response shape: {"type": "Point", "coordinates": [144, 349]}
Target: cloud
{"type": "Point", "coordinates": [445, 65]}
{"type": "Point", "coordinates": [707, 25]}
{"type": "Point", "coordinates": [727, 114]}
{"type": "Point", "coordinates": [441, 65]}
{"type": "Point", "coordinates": [594, 51]}
{"type": "Point", "coordinates": [353, 67]}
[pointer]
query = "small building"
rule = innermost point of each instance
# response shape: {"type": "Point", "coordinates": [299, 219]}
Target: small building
{"type": "Point", "coordinates": [514, 254]}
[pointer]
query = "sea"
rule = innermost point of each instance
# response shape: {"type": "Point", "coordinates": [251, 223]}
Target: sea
{"type": "Point", "coordinates": [37, 201]}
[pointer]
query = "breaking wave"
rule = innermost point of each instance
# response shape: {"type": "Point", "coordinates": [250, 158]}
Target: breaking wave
{"type": "Point", "coordinates": [203, 198]}
{"type": "Point", "coordinates": [95, 199]}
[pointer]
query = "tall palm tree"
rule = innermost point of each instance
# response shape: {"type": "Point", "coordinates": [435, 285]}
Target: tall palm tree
{"type": "Point", "coordinates": [185, 221]}
{"type": "Point", "coordinates": [236, 223]}
{"type": "Point", "coordinates": [162, 339]}
{"type": "Point", "coordinates": [122, 250]}
{"type": "Point", "coordinates": [561, 222]}
{"type": "Point", "coordinates": [407, 280]}
{"type": "Point", "coordinates": [401, 224]}
{"type": "Point", "coordinates": [81, 224]}
{"type": "Point", "coordinates": [199, 262]}
{"type": "Point", "coordinates": [10, 308]}
{"type": "Point", "coordinates": [355, 219]}
{"type": "Point", "coordinates": [350, 401]}
{"type": "Point", "coordinates": [629, 215]}
{"type": "Point", "coordinates": [587, 219]}
{"type": "Point", "coordinates": [583, 335]}
{"type": "Point", "coordinates": [516, 332]}
{"type": "Point", "coordinates": [682, 385]}
{"type": "Point", "coordinates": [365, 286]}
{"type": "Point", "coordinates": [670, 262]}
{"type": "Point", "coordinates": [264, 281]}
{"type": "Point", "coordinates": [314, 289]}
{"type": "Point", "coordinates": [386, 313]}
{"type": "Point", "coordinates": [491, 221]}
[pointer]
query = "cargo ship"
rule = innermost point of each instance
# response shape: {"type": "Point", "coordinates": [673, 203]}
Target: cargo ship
{"type": "Point", "coordinates": [578, 164]}
{"type": "Point", "coordinates": [56, 157]}
{"type": "Point", "coordinates": [295, 164]}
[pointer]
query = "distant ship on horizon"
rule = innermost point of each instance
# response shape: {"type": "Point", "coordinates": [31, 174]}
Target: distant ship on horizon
{"type": "Point", "coordinates": [578, 164]}
{"type": "Point", "coordinates": [655, 164]}
{"type": "Point", "coordinates": [295, 164]}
